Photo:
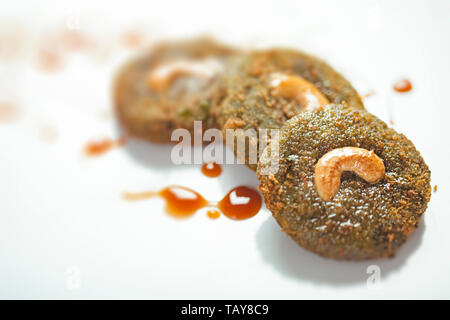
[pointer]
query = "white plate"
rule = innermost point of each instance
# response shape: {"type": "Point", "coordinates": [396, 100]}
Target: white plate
{"type": "Point", "coordinates": [65, 232]}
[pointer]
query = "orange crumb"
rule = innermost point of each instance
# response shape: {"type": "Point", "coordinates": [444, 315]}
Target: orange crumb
{"type": "Point", "coordinates": [97, 148]}
{"type": "Point", "coordinates": [8, 112]}
{"type": "Point", "coordinates": [49, 60]}
{"type": "Point", "coordinates": [132, 39]}
{"type": "Point", "coordinates": [367, 95]}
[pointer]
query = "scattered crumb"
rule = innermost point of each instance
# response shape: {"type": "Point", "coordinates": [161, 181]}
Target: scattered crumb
{"type": "Point", "coordinates": [213, 214]}
{"type": "Point", "coordinates": [49, 60]}
{"type": "Point", "coordinates": [74, 40]}
{"type": "Point", "coordinates": [367, 95]}
{"type": "Point", "coordinates": [8, 112]}
{"type": "Point", "coordinates": [435, 188]}
{"type": "Point", "coordinates": [48, 134]}
{"type": "Point", "coordinates": [132, 39]}
{"type": "Point", "coordinates": [391, 122]}
{"type": "Point", "coordinates": [97, 148]}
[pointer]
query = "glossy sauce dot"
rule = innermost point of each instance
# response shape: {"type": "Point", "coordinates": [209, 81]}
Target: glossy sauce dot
{"type": "Point", "coordinates": [182, 202]}
{"type": "Point", "coordinates": [211, 169]}
{"type": "Point", "coordinates": [213, 214]}
{"type": "Point", "coordinates": [241, 203]}
{"type": "Point", "coordinates": [403, 85]}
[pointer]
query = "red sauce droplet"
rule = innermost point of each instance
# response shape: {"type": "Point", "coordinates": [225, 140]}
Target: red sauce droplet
{"type": "Point", "coordinates": [241, 203]}
{"type": "Point", "coordinates": [367, 95]}
{"type": "Point", "coordinates": [211, 169]}
{"type": "Point", "coordinates": [48, 134]}
{"type": "Point", "coordinates": [182, 202]}
{"type": "Point", "coordinates": [97, 148]}
{"type": "Point", "coordinates": [213, 214]}
{"type": "Point", "coordinates": [403, 85]}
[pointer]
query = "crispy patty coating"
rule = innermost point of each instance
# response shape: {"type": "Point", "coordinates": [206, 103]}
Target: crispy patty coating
{"type": "Point", "coordinates": [151, 108]}
{"type": "Point", "coordinates": [363, 220]}
{"type": "Point", "coordinates": [251, 102]}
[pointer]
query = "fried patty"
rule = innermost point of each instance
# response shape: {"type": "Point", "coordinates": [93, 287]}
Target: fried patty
{"type": "Point", "coordinates": [363, 220]}
{"type": "Point", "coordinates": [251, 102]}
{"type": "Point", "coordinates": [151, 108]}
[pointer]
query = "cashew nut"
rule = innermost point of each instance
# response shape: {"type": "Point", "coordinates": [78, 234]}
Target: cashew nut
{"type": "Point", "coordinates": [329, 168]}
{"type": "Point", "coordinates": [162, 76]}
{"type": "Point", "coordinates": [298, 88]}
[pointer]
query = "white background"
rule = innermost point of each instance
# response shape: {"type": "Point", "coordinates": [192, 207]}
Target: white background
{"type": "Point", "coordinates": [61, 214]}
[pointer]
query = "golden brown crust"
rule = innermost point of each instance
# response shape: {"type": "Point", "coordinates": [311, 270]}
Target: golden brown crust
{"type": "Point", "coordinates": [251, 102]}
{"type": "Point", "coordinates": [151, 113]}
{"type": "Point", "coordinates": [363, 220]}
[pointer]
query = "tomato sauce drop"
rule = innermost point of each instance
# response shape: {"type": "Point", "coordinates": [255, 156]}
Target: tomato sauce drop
{"type": "Point", "coordinates": [182, 202]}
{"type": "Point", "coordinates": [241, 203]}
{"type": "Point", "coordinates": [211, 169]}
{"type": "Point", "coordinates": [403, 85]}
{"type": "Point", "coordinates": [213, 214]}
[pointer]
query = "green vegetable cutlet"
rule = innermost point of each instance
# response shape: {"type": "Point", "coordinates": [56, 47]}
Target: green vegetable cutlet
{"type": "Point", "coordinates": [266, 88]}
{"type": "Point", "coordinates": [169, 88]}
{"type": "Point", "coordinates": [360, 219]}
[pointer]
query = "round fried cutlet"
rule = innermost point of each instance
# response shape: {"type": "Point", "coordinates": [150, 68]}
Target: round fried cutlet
{"type": "Point", "coordinates": [363, 220]}
{"type": "Point", "coordinates": [170, 87]}
{"type": "Point", "coordinates": [266, 88]}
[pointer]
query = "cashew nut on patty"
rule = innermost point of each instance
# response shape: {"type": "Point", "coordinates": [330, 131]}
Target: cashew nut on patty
{"type": "Point", "coordinates": [329, 168]}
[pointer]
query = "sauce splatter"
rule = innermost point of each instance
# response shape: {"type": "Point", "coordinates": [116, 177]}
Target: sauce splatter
{"type": "Point", "coordinates": [181, 202]}
{"type": "Point", "coordinates": [403, 85]}
{"type": "Point", "coordinates": [213, 214]}
{"type": "Point", "coordinates": [241, 203]}
{"type": "Point", "coordinates": [8, 112]}
{"type": "Point", "coordinates": [97, 148]}
{"type": "Point", "coordinates": [211, 169]}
